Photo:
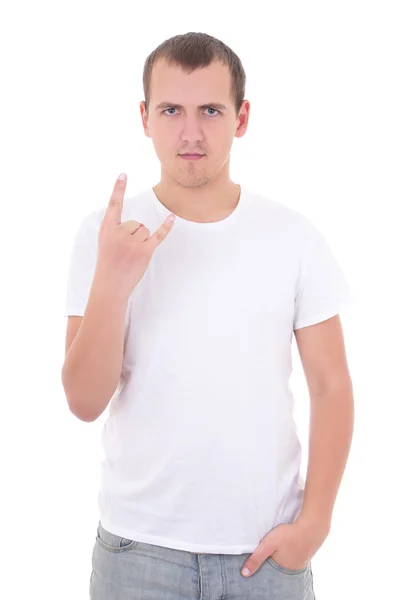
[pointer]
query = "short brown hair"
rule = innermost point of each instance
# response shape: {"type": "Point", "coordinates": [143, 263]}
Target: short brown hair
{"type": "Point", "coordinates": [193, 51]}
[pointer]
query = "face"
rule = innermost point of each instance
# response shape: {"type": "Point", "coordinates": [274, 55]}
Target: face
{"type": "Point", "coordinates": [187, 121]}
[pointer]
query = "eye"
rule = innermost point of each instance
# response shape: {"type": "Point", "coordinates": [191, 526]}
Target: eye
{"type": "Point", "coordinates": [173, 108]}
{"type": "Point", "coordinates": [214, 109]}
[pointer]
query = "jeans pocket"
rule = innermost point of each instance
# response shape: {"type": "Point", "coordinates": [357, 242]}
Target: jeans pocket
{"type": "Point", "coordinates": [279, 567]}
{"type": "Point", "coordinates": [112, 542]}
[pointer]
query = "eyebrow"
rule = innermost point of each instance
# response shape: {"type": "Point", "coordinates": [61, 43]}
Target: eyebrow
{"type": "Point", "coordinates": [215, 105]}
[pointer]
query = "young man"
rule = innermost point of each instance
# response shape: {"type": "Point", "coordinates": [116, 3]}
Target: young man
{"type": "Point", "coordinates": [195, 323]}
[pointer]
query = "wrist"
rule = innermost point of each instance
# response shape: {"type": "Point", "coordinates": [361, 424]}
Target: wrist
{"type": "Point", "coordinates": [312, 521]}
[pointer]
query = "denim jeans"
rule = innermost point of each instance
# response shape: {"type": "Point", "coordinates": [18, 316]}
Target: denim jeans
{"type": "Point", "coordinates": [123, 569]}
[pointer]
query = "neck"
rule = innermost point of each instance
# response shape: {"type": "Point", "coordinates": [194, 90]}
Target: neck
{"type": "Point", "coordinates": [206, 203]}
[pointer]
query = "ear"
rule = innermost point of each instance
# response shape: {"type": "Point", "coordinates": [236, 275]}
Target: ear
{"type": "Point", "coordinates": [243, 119]}
{"type": "Point", "coordinates": [144, 119]}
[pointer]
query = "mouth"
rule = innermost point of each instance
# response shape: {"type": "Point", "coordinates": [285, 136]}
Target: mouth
{"type": "Point", "coordinates": [191, 156]}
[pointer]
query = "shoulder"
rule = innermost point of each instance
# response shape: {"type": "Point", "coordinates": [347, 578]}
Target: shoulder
{"type": "Point", "coordinates": [279, 217]}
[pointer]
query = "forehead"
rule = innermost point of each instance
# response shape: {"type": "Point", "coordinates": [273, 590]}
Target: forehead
{"type": "Point", "coordinates": [172, 83]}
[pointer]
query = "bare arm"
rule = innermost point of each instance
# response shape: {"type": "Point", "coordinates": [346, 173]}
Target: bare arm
{"type": "Point", "coordinates": [323, 355]}
{"type": "Point", "coordinates": [93, 363]}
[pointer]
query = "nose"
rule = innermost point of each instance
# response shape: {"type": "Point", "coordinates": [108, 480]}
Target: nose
{"type": "Point", "coordinates": [192, 130]}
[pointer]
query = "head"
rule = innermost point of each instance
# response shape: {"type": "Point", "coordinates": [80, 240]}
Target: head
{"type": "Point", "coordinates": [184, 80]}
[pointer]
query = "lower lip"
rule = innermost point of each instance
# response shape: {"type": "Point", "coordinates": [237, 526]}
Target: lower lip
{"type": "Point", "coordinates": [191, 157]}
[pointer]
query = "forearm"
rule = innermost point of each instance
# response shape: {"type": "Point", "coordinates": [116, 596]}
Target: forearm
{"type": "Point", "coordinates": [93, 365]}
{"type": "Point", "coordinates": [331, 431]}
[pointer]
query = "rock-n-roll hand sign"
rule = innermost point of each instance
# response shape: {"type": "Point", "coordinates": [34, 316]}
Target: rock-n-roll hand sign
{"type": "Point", "coordinates": [125, 249]}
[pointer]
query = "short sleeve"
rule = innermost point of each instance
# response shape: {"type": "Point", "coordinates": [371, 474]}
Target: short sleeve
{"type": "Point", "coordinates": [82, 266]}
{"type": "Point", "coordinates": [322, 290]}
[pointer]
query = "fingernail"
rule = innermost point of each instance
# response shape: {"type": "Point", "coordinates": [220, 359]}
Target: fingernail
{"type": "Point", "coordinates": [122, 177]}
{"type": "Point", "coordinates": [245, 572]}
{"type": "Point", "coordinates": [171, 218]}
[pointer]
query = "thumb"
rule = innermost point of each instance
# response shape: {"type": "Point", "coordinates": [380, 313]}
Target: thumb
{"type": "Point", "coordinates": [161, 233]}
{"type": "Point", "coordinates": [266, 547]}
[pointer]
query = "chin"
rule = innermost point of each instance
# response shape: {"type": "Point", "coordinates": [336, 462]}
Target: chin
{"type": "Point", "coordinates": [195, 182]}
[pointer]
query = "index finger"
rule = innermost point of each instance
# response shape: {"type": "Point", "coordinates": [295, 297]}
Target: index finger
{"type": "Point", "coordinates": [113, 212]}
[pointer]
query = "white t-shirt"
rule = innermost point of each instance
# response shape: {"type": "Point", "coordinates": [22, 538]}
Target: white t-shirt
{"type": "Point", "coordinates": [201, 448]}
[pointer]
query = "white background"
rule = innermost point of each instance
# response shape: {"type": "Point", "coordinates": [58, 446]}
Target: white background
{"type": "Point", "coordinates": [323, 138]}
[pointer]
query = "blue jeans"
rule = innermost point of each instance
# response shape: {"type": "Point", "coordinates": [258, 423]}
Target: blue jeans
{"type": "Point", "coordinates": [123, 569]}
